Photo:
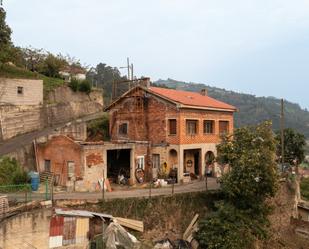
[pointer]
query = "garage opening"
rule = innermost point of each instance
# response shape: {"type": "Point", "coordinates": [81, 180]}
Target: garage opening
{"type": "Point", "coordinates": [118, 163]}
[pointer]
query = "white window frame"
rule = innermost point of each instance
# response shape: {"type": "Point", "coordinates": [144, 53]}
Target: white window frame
{"type": "Point", "coordinates": [140, 162]}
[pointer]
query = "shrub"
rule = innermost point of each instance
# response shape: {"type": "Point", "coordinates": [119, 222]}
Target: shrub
{"type": "Point", "coordinates": [84, 86]}
{"type": "Point", "coordinates": [74, 85]}
{"type": "Point", "coordinates": [11, 172]}
{"type": "Point", "coordinates": [304, 188]}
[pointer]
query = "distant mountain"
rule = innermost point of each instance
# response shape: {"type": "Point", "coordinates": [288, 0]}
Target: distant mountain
{"type": "Point", "coordinates": [251, 109]}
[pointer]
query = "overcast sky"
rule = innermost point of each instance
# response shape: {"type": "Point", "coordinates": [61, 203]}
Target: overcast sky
{"type": "Point", "coordinates": [251, 46]}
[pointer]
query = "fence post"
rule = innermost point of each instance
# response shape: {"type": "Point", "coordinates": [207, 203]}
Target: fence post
{"type": "Point", "coordinates": [46, 190]}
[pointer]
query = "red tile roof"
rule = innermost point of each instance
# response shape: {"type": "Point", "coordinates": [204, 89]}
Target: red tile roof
{"type": "Point", "coordinates": [191, 98]}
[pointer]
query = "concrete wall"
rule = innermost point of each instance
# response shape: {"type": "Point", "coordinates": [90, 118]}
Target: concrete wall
{"type": "Point", "coordinates": [32, 91]}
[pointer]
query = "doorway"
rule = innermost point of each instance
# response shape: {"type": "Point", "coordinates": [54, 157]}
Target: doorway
{"type": "Point", "coordinates": [118, 163]}
{"type": "Point", "coordinates": [192, 162]}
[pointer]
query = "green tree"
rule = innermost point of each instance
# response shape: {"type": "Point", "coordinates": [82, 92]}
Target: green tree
{"type": "Point", "coordinates": [251, 154]}
{"type": "Point", "coordinates": [51, 65]}
{"type": "Point", "coordinates": [5, 37]}
{"type": "Point", "coordinates": [242, 217]}
{"type": "Point", "coordinates": [294, 145]}
{"type": "Point", "coordinates": [103, 76]}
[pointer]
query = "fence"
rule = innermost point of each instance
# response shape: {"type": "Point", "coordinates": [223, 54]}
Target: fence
{"type": "Point", "coordinates": [23, 193]}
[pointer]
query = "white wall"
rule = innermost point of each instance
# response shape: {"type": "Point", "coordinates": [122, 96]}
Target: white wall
{"type": "Point", "coordinates": [32, 91]}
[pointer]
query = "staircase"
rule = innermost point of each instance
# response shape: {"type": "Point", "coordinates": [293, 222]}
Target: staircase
{"type": "Point", "coordinates": [46, 176]}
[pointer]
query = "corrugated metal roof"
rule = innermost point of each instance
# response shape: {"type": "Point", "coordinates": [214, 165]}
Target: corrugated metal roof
{"type": "Point", "coordinates": [81, 213]}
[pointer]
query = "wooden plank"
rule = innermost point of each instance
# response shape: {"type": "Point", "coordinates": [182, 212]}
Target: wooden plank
{"type": "Point", "coordinates": [193, 225]}
{"type": "Point", "coordinates": [129, 223]}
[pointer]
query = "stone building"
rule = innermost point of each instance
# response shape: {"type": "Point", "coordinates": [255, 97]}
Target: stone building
{"type": "Point", "coordinates": [164, 129]}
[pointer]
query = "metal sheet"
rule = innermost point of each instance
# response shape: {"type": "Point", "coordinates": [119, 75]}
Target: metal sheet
{"type": "Point", "coordinates": [55, 241]}
{"type": "Point", "coordinates": [69, 231]}
{"type": "Point", "coordinates": [80, 213]}
{"type": "Point", "coordinates": [82, 229]}
{"type": "Point", "coordinates": [56, 226]}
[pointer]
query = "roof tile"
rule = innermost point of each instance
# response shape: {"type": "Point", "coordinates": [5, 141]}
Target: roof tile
{"type": "Point", "coordinates": [191, 98]}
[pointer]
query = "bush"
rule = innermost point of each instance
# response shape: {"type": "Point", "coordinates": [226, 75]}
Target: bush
{"type": "Point", "coordinates": [304, 188]}
{"type": "Point", "coordinates": [84, 86]}
{"type": "Point", "coordinates": [11, 172]}
{"type": "Point", "coordinates": [74, 85]}
{"type": "Point", "coordinates": [81, 86]}
{"type": "Point", "coordinates": [99, 128]}
{"type": "Point", "coordinates": [231, 228]}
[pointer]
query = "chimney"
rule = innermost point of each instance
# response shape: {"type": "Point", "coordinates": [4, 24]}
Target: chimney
{"type": "Point", "coordinates": [204, 92]}
{"type": "Point", "coordinates": [145, 82]}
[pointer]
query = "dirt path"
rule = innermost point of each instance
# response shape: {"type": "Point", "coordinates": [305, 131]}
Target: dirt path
{"type": "Point", "coordinates": [130, 193]}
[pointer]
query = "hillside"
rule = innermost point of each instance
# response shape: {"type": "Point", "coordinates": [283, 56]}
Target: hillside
{"type": "Point", "coordinates": [10, 71]}
{"type": "Point", "coordinates": [251, 109]}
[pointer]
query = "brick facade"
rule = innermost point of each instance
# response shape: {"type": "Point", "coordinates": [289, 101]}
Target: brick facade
{"type": "Point", "coordinates": [88, 159]}
{"type": "Point", "coordinates": [147, 116]}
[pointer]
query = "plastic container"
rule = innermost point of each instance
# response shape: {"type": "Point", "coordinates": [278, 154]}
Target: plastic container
{"type": "Point", "coordinates": [35, 181]}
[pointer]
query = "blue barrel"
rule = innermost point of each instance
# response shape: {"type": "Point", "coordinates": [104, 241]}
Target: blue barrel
{"type": "Point", "coordinates": [35, 181]}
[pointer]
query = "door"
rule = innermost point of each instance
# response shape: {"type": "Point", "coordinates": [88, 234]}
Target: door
{"type": "Point", "coordinates": [155, 165]}
{"type": "Point", "coordinates": [47, 165]}
{"type": "Point", "coordinates": [71, 170]}
{"type": "Point", "coordinates": [197, 163]}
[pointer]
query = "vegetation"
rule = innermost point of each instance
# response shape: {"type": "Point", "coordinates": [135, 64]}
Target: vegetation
{"type": "Point", "coordinates": [82, 86]}
{"type": "Point", "coordinates": [260, 108]}
{"type": "Point", "coordinates": [10, 71]}
{"type": "Point", "coordinates": [242, 217]}
{"type": "Point", "coordinates": [11, 173]}
{"type": "Point", "coordinates": [104, 76]}
{"type": "Point", "coordinates": [294, 146]}
{"type": "Point", "coordinates": [304, 188]}
{"type": "Point", "coordinates": [99, 128]}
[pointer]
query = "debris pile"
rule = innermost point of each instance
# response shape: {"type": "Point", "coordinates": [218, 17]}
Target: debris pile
{"type": "Point", "coordinates": [187, 242]}
{"type": "Point", "coordinates": [83, 228]}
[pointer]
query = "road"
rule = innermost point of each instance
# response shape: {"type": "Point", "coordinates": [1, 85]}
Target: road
{"type": "Point", "coordinates": [25, 139]}
{"type": "Point", "coordinates": [195, 186]}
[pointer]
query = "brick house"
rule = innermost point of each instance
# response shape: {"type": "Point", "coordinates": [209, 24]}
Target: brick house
{"type": "Point", "coordinates": [163, 129]}
{"type": "Point", "coordinates": [73, 163]}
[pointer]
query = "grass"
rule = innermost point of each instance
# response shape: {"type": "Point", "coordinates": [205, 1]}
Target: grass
{"type": "Point", "coordinates": [8, 71]}
{"type": "Point", "coordinates": [304, 188]}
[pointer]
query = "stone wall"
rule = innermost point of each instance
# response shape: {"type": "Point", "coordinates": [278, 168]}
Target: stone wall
{"type": "Point", "coordinates": [64, 94]}
{"type": "Point", "coordinates": [16, 120]}
{"type": "Point", "coordinates": [61, 105]}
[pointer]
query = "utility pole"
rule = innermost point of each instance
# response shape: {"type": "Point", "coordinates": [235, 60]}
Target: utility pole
{"type": "Point", "coordinates": [282, 133]}
{"type": "Point", "coordinates": [132, 75]}
{"type": "Point", "coordinates": [128, 66]}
